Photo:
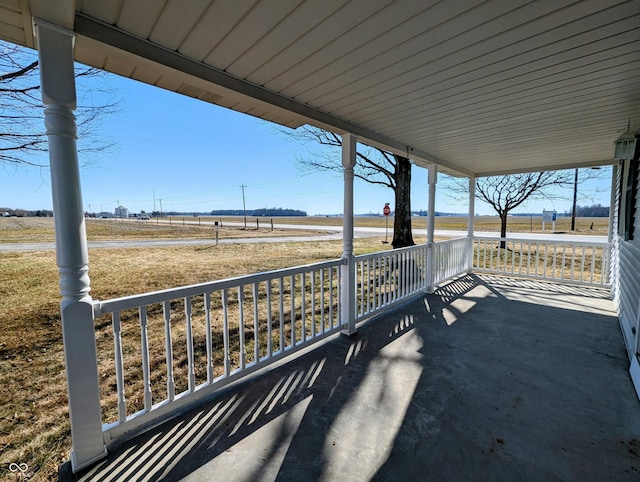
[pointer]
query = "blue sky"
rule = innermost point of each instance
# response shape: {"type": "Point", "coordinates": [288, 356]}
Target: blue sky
{"type": "Point", "coordinates": [194, 156]}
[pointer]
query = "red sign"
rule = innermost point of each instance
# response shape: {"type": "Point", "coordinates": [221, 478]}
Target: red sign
{"type": "Point", "coordinates": [386, 211]}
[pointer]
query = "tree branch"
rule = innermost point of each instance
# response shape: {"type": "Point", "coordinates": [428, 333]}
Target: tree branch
{"type": "Point", "coordinates": [22, 135]}
{"type": "Point", "coordinates": [20, 72]}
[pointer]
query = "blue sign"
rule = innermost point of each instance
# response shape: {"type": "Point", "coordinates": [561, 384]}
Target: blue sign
{"type": "Point", "coordinates": [548, 216]}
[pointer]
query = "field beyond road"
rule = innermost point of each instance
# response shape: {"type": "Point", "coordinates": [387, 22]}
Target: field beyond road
{"type": "Point", "coordinates": [39, 230]}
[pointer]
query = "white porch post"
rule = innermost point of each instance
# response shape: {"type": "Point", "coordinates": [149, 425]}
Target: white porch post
{"type": "Point", "coordinates": [432, 179]}
{"type": "Point", "coordinates": [348, 272]}
{"type": "Point", "coordinates": [472, 211]}
{"type": "Point", "coordinates": [612, 204]}
{"type": "Point", "coordinates": [55, 50]}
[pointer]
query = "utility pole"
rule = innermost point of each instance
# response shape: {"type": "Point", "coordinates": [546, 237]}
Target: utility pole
{"type": "Point", "coordinates": [244, 207]}
{"type": "Point", "coordinates": [160, 206]}
{"type": "Point", "coordinates": [575, 198]}
{"type": "Point", "coordinates": [154, 200]}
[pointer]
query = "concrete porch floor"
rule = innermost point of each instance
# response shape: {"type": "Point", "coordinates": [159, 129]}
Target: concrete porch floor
{"type": "Point", "coordinates": [490, 378]}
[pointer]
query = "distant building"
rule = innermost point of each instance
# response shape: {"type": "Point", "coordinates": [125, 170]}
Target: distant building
{"type": "Point", "coordinates": [121, 212]}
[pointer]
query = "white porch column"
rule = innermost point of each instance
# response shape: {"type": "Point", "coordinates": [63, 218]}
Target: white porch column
{"type": "Point", "coordinates": [432, 179]}
{"type": "Point", "coordinates": [613, 213]}
{"type": "Point", "coordinates": [348, 273]}
{"type": "Point", "coordinates": [472, 212]}
{"type": "Point", "coordinates": [55, 50]}
{"type": "Point", "coordinates": [612, 203]}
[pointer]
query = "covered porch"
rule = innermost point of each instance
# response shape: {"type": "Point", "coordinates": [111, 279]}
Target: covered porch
{"type": "Point", "coordinates": [488, 378]}
{"type": "Point", "coordinates": [480, 377]}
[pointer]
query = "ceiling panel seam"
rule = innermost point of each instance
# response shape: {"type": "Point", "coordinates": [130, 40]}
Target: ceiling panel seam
{"type": "Point", "coordinates": [398, 94]}
{"type": "Point", "coordinates": [252, 27]}
{"type": "Point", "coordinates": [493, 83]}
{"type": "Point", "coordinates": [383, 85]}
{"type": "Point", "coordinates": [440, 54]}
{"type": "Point", "coordinates": [413, 39]}
{"type": "Point", "coordinates": [585, 117]}
{"type": "Point", "coordinates": [266, 34]}
{"type": "Point", "coordinates": [197, 22]}
{"type": "Point", "coordinates": [531, 140]}
{"type": "Point", "coordinates": [289, 66]}
{"type": "Point", "coordinates": [327, 46]}
{"type": "Point", "coordinates": [549, 167]}
{"type": "Point", "coordinates": [533, 106]}
{"type": "Point", "coordinates": [392, 73]}
{"type": "Point", "coordinates": [320, 79]}
{"type": "Point", "coordinates": [226, 35]}
{"type": "Point", "coordinates": [175, 14]}
{"type": "Point", "coordinates": [291, 42]}
{"type": "Point", "coordinates": [568, 98]}
{"type": "Point", "coordinates": [120, 11]}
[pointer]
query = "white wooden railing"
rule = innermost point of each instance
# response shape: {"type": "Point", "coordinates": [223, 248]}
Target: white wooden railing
{"type": "Point", "coordinates": [585, 263]}
{"type": "Point", "coordinates": [388, 277]}
{"type": "Point", "coordinates": [450, 259]}
{"type": "Point", "coordinates": [171, 346]}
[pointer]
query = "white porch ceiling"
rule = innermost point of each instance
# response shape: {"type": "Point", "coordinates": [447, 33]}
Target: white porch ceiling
{"type": "Point", "coordinates": [478, 87]}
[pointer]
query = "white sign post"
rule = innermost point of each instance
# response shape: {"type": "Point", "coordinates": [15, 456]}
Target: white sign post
{"type": "Point", "coordinates": [386, 211]}
{"type": "Point", "coordinates": [549, 216]}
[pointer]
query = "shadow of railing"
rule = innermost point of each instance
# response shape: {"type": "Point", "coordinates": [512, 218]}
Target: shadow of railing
{"type": "Point", "coordinates": [320, 378]}
{"type": "Point", "coordinates": [545, 286]}
{"type": "Point", "coordinates": [313, 417]}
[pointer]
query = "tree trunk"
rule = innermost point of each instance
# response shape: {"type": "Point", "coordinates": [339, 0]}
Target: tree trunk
{"type": "Point", "coordinates": [503, 228]}
{"type": "Point", "coordinates": [402, 235]}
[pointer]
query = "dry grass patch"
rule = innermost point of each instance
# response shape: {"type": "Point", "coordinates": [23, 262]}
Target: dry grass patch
{"type": "Point", "coordinates": [33, 411]}
{"type": "Point", "coordinates": [34, 427]}
{"type": "Point", "coordinates": [26, 230]}
{"type": "Point", "coordinates": [567, 262]}
{"type": "Point", "coordinates": [40, 230]}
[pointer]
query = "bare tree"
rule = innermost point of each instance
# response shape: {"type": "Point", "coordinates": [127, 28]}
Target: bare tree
{"type": "Point", "coordinates": [506, 193]}
{"type": "Point", "coordinates": [373, 165]}
{"type": "Point", "coordinates": [22, 135]}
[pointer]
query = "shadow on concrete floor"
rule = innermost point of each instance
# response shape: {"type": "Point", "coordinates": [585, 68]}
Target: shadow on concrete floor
{"type": "Point", "coordinates": [489, 378]}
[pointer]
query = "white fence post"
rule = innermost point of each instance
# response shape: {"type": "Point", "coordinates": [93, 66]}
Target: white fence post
{"type": "Point", "coordinates": [348, 277]}
{"type": "Point", "coordinates": [472, 209]}
{"type": "Point", "coordinates": [55, 50]}
{"type": "Point", "coordinates": [432, 179]}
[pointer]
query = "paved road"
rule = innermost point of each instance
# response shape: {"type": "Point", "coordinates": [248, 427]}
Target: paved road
{"type": "Point", "coordinates": [363, 232]}
{"type": "Point", "coordinates": [335, 233]}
